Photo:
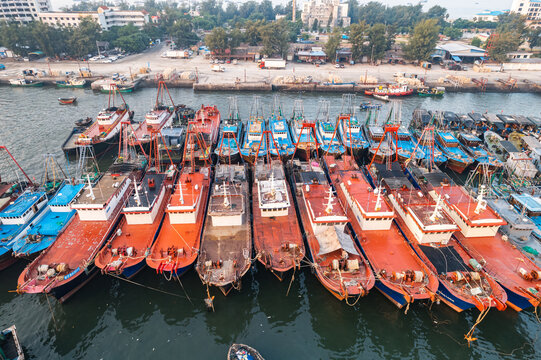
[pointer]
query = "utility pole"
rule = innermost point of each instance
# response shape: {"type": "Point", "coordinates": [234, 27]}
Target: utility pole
{"type": "Point", "coordinates": [294, 15]}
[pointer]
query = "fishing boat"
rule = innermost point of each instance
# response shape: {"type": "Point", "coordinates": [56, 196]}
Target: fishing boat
{"type": "Point", "coordinates": [473, 146]}
{"type": "Point", "coordinates": [123, 87]}
{"type": "Point", "coordinates": [327, 131]}
{"type": "Point", "coordinates": [43, 230]}
{"type": "Point", "coordinates": [22, 82]}
{"type": "Point", "coordinates": [226, 245]}
{"type": "Point", "coordinates": [278, 241]}
{"type": "Point", "coordinates": [406, 148]}
{"type": "Point", "coordinates": [281, 143]}
{"type": "Point", "coordinates": [83, 122]}
{"type": "Point", "coordinates": [479, 236]}
{"type": "Point", "coordinates": [457, 159]}
{"type": "Point", "coordinates": [207, 121]}
{"type": "Point", "coordinates": [67, 100]}
{"type": "Point", "coordinates": [365, 106]}
{"type": "Point", "coordinates": [253, 144]}
{"type": "Point", "coordinates": [10, 347]}
{"type": "Point", "coordinates": [243, 352]}
{"type": "Point", "coordinates": [228, 146]}
{"type": "Point", "coordinates": [106, 129]}
{"type": "Point", "coordinates": [15, 218]}
{"type": "Point", "coordinates": [178, 242]}
{"type": "Point", "coordinates": [11, 182]}
{"type": "Point", "coordinates": [429, 228]}
{"type": "Point", "coordinates": [520, 229]}
{"type": "Point", "coordinates": [72, 83]}
{"type": "Point", "coordinates": [350, 129]}
{"type": "Point", "coordinates": [431, 92]}
{"type": "Point", "coordinates": [401, 276]}
{"type": "Point", "coordinates": [381, 143]}
{"type": "Point", "coordinates": [384, 98]}
{"type": "Point", "coordinates": [68, 264]}
{"type": "Point", "coordinates": [337, 260]}
{"type": "Point", "coordinates": [161, 115]}
{"type": "Point", "coordinates": [303, 132]}
{"type": "Point", "coordinates": [171, 148]}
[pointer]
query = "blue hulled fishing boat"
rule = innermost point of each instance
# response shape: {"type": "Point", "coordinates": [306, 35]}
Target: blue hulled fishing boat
{"type": "Point", "coordinates": [432, 155]}
{"type": "Point", "coordinates": [457, 159]}
{"type": "Point", "coordinates": [281, 143]}
{"type": "Point", "coordinates": [327, 133]}
{"type": "Point", "coordinates": [41, 232]}
{"type": "Point", "coordinates": [14, 218]}
{"type": "Point", "coordinates": [405, 146]}
{"type": "Point", "coordinates": [252, 144]}
{"type": "Point", "coordinates": [473, 146]}
{"type": "Point", "coordinates": [228, 145]}
{"type": "Point", "coordinates": [350, 128]}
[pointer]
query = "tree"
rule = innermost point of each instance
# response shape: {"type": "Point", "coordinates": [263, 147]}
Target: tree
{"type": "Point", "coordinates": [236, 37]}
{"type": "Point", "coordinates": [358, 34]}
{"type": "Point", "coordinates": [534, 38]}
{"type": "Point", "coordinates": [275, 38]}
{"type": "Point", "coordinates": [134, 42]}
{"type": "Point", "coordinates": [476, 41]}
{"type": "Point", "coordinates": [504, 43]}
{"type": "Point", "coordinates": [452, 33]}
{"type": "Point", "coordinates": [182, 33]}
{"type": "Point", "coordinates": [83, 39]}
{"type": "Point", "coordinates": [252, 33]}
{"type": "Point", "coordinates": [217, 41]}
{"type": "Point", "coordinates": [315, 25]}
{"type": "Point", "coordinates": [423, 41]}
{"type": "Point", "coordinates": [378, 42]}
{"type": "Point", "coordinates": [332, 45]}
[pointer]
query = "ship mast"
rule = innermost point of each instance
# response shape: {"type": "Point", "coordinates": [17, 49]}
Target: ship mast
{"type": "Point", "coordinates": [436, 214]}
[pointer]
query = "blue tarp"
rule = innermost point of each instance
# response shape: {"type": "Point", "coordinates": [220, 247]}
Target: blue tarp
{"type": "Point", "coordinates": [457, 59]}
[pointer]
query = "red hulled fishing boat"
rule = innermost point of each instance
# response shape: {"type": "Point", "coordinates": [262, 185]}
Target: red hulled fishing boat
{"type": "Point", "coordinates": [278, 240]}
{"type": "Point", "coordinates": [401, 276]}
{"type": "Point", "coordinates": [479, 236]}
{"type": "Point", "coordinates": [68, 263]}
{"type": "Point", "coordinates": [156, 119]}
{"type": "Point", "coordinates": [177, 245]}
{"type": "Point", "coordinates": [207, 122]}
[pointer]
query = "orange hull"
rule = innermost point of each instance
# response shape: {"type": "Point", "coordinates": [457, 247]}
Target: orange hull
{"type": "Point", "coordinates": [273, 235]}
{"type": "Point", "coordinates": [138, 236]}
{"type": "Point", "coordinates": [185, 236]}
{"type": "Point", "coordinates": [144, 131]}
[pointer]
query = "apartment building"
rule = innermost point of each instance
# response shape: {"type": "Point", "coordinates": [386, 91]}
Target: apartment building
{"type": "Point", "coordinates": [531, 9]}
{"type": "Point", "coordinates": [107, 17]}
{"type": "Point", "coordinates": [22, 11]}
{"type": "Point", "coordinates": [327, 13]}
{"type": "Point", "coordinates": [66, 19]}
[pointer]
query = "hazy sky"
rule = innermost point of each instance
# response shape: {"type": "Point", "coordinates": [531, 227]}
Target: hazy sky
{"type": "Point", "coordinates": [456, 8]}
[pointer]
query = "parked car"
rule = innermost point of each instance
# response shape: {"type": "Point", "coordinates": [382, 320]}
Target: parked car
{"type": "Point", "coordinates": [339, 66]}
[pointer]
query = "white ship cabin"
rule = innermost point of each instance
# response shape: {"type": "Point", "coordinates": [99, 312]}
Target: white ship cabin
{"type": "Point", "coordinates": [368, 205]}
{"type": "Point", "coordinates": [99, 201]}
{"type": "Point", "coordinates": [327, 129]}
{"type": "Point", "coordinates": [323, 207]}
{"type": "Point", "coordinates": [403, 133]}
{"type": "Point", "coordinates": [185, 203]}
{"type": "Point", "coordinates": [109, 116]}
{"type": "Point", "coordinates": [426, 219]}
{"type": "Point", "coordinates": [376, 132]}
{"type": "Point", "coordinates": [145, 200]}
{"type": "Point", "coordinates": [351, 124]}
{"type": "Point", "coordinates": [255, 128]}
{"type": "Point", "coordinates": [272, 190]}
{"type": "Point", "coordinates": [474, 217]}
{"type": "Point", "coordinates": [64, 197]}
{"type": "Point", "coordinates": [279, 129]}
{"type": "Point", "coordinates": [226, 205]}
{"type": "Point", "coordinates": [23, 208]}
{"type": "Point", "coordinates": [156, 117]}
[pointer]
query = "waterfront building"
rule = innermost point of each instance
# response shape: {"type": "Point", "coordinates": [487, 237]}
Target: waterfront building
{"type": "Point", "coordinates": [107, 17]}
{"type": "Point", "coordinates": [327, 13]}
{"type": "Point", "coordinates": [531, 9]}
{"type": "Point", "coordinates": [22, 11]}
{"type": "Point", "coordinates": [488, 15]}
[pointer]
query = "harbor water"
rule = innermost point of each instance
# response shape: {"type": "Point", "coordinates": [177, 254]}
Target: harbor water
{"type": "Point", "coordinates": [155, 318]}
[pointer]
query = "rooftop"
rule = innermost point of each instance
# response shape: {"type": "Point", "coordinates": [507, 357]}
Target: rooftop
{"type": "Point", "coordinates": [65, 195]}
{"type": "Point", "coordinates": [146, 195]}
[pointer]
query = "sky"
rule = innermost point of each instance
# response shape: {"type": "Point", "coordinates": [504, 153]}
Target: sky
{"type": "Point", "coordinates": [456, 8]}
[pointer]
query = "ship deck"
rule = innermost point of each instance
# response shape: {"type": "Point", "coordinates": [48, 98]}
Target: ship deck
{"type": "Point", "coordinates": [65, 194]}
{"type": "Point", "coordinates": [24, 202]}
{"type": "Point", "coordinates": [147, 195]}
{"type": "Point", "coordinates": [102, 190]}
{"type": "Point", "coordinates": [51, 223]}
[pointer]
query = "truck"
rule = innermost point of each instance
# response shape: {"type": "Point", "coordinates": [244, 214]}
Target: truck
{"type": "Point", "coordinates": [272, 64]}
{"type": "Point", "coordinates": [176, 54]}
{"type": "Point", "coordinates": [217, 68]}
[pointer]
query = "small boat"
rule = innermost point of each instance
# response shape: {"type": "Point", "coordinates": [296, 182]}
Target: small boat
{"type": "Point", "coordinates": [228, 145]}
{"type": "Point", "coordinates": [243, 352]}
{"type": "Point", "coordinates": [431, 92]}
{"type": "Point", "coordinates": [479, 236]}
{"type": "Point", "coordinates": [390, 90]}
{"type": "Point", "coordinates": [161, 115]}
{"type": "Point", "coordinates": [178, 242]}
{"type": "Point", "coordinates": [401, 275]}
{"type": "Point", "coordinates": [457, 159]}
{"type": "Point", "coordinates": [365, 106]}
{"type": "Point", "coordinates": [327, 131]}
{"type": "Point", "coordinates": [226, 246]}
{"type": "Point", "coordinates": [337, 260]}
{"type": "Point", "coordinates": [384, 98]}
{"type": "Point", "coordinates": [21, 82]}
{"type": "Point", "coordinates": [67, 100]}
{"type": "Point", "coordinates": [45, 228]}
{"type": "Point", "coordinates": [278, 241]}
{"type": "Point", "coordinates": [121, 87]}
{"type": "Point", "coordinates": [83, 122]}
{"type": "Point", "coordinates": [10, 347]}
{"type": "Point", "coordinates": [473, 146]}
{"type": "Point", "coordinates": [15, 218]}
{"type": "Point", "coordinates": [72, 83]}
{"type": "Point", "coordinates": [68, 264]}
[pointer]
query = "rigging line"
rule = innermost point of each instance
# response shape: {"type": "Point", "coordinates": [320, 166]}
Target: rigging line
{"type": "Point", "coordinates": [148, 287]}
{"type": "Point", "coordinates": [185, 293]}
